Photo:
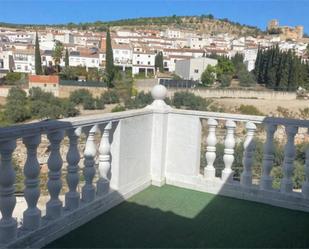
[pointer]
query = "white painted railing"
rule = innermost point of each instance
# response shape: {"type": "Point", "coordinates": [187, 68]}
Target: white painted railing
{"type": "Point", "coordinates": [155, 145]}
{"type": "Point", "coordinates": [178, 171]}
{"type": "Point", "coordinates": [14, 235]}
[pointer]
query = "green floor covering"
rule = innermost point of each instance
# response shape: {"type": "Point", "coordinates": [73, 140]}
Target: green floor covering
{"type": "Point", "coordinates": [171, 217]}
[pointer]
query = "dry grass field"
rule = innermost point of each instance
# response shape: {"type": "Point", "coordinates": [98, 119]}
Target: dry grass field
{"type": "Point", "coordinates": [267, 107]}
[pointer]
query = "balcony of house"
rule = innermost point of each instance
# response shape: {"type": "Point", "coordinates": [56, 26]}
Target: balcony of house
{"type": "Point", "coordinates": [154, 177]}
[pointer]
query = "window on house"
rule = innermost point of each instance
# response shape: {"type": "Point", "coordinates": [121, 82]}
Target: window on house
{"type": "Point", "coordinates": [195, 70]}
{"type": "Point", "coordinates": [137, 62]}
{"type": "Point", "coordinates": [148, 62]}
{"type": "Point", "coordinates": [54, 85]}
{"type": "Point", "coordinates": [45, 85]}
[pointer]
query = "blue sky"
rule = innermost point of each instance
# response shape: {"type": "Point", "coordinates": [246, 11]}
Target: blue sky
{"type": "Point", "coordinates": [252, 12]}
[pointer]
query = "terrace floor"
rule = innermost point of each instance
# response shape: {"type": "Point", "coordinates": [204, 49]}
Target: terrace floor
{"type": "Point", "coordinates": [172, 217]}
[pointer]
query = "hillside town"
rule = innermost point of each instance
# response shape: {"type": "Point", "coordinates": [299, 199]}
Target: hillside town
{"type": "Point", "coordinates": [136, 49]}
{"type": "Point", "coordinates": [154, 124]}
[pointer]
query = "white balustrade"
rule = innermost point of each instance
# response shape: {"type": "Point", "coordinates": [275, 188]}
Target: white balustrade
{"type": "Point", "coordinates": [288, 163]}
{"type": "Point", "coordinates": [268, 157]}
{"type": "Point", "coordinates": [72, 197]}
{"type": "Point", "coordinates": [88, 190]}
{"type": "Point", "coordinates": [249, 147]}
{"type": "Point", "coordinates": [54, 184]}
{"type": "Point", "coordinates": [176, 171]}
{"type": "Point", "coordinates": [228, 158]}
{"type": "Point", "coordinates": [32, 215]}
{"type": "Point", "coordinates": [8, 225]}
{"type": "Point", "coordinates": [104, 161]}
{"type": "Point", "coordinates": [209, 171]}
{"type": "Point", "coordinates": [305, 188]}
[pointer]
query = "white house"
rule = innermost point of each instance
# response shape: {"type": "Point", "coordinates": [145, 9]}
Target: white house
{"type": "Point", "coordinates": [174, 33]}
{"type": "Point", "coordinates": [250, 58]}
{"type": "Point", "coordinates": [192, 69]}
{"type": "Point", "coordinates": [24, 61]}
{"type": "Point", "coordinates": [123, 55]}
{"type": "Point", "coordinates": [87, 60]}
{"type": "Point", "coordinates": [169, 62]}
{"type": "Point", "coordinates": [184, 52]}
{"type": "Point", "coordinates": [197, 42]}
{"type": "Point", "coordinates": [143, 61]}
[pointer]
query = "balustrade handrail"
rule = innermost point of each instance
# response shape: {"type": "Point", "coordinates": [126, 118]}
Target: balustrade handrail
{"type": "Point", "coordinates": [47, 126]}
{"type": "Point", "coordinates": [244, 118]}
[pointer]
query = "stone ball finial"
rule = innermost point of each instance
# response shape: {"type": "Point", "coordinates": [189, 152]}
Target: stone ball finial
{"type": "Point", "coordinates": [159, 92]}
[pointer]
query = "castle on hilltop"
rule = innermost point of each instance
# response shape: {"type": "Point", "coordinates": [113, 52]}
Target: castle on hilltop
{"type": "Point", "coordinates": [286, 32]}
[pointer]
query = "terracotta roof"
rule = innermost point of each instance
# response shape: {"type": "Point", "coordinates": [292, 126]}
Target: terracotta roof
{"type": "Point", "coordinates": [44, 79]}
{"type": "Point", "coordinates": [183, 50]}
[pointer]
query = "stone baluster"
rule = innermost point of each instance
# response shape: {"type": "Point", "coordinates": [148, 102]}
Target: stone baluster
{"type": "Point", "coordinates": [249, 147]}
{"type": "Point", "coordinates": [104, 161]}
{"type": "Point", "coordinates": [88, 190]}
{"type": "Point", "coordinates": [32, 216]}
{"type": "Point", "coordinates": [54, 184]}
{"type": "Point", "coordinates": [288, 163]}
{"type": "Point", "coordinates": [305, 188]}
{"type": "Point", "coordinates": [209, 171]}
{"type": "Point", "coordinates": [268, 157]}
{"type": "Point", "coordinates": [228, 158]}
{"type": "Point", "coordinates": [8, 225]}
{"type": "Point", "coordinates": [72, 197]}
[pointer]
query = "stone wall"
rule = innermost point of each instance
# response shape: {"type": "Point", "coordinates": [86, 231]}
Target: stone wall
{"type": "Point", "coordinates": [229, 93]}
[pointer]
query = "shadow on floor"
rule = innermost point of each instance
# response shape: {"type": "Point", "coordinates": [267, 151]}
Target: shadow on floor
{"type": "Point", "coordinates": [171, 217]}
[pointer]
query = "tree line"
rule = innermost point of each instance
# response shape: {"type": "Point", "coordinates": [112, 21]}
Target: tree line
{"type": "Point", "coordinates": [226, 70]}
{"type": "Point", "coordinates": [281, 70]}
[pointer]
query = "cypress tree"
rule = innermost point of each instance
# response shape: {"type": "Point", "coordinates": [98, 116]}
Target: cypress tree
{"type": "Point", "coordinates": [66, 58]}
{"type": "Point", "coordinates": [159, 62]}
{"type": "Point", "coordinates": [284, 73]}
{"type": "Point", "coordinates": [306, 81]}
{"type": "Point", "coordinates": [281, 70]}
{"type": "Point", "coordinates": [37, 57]}
{"type": "Point", "coordinates": [257, 64]}
{"type": "Point", "coordinates": [109, 67]}
{"type": "Point", "coordinates": [293, 73]}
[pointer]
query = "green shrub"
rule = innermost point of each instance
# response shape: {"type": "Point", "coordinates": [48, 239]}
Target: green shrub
{"type": "Point", "coordinates": [110, 97]}
{"type": "Point", "coordinates": [15, 78]}
{"type": "Point", "coordinates": [139, 101]}
{"type": "Point", "coordinates": [189, 101]}
{"type": "Point", "coordinates": [46, 105]}
{"type": "Point", "coordinates": [16, 108]}
{"type": "Point", "coordinates": [225, 80]}
{"type": "Point", "coordinates": [285, 112]}
{"type": "Point", "coordinates": [208, 76]}
{"type": "Point", "coordinates": [245, 77]}
{"type": "Point", "coordinates": [249, 110]}
{"type": "Point", "coordinates": [99, 104]}
{"type": "Point", "coordinates": [118, 108]}
{"type": "Point", "coordinates": [89, 103]}
{"type": "Point", "coordinates": [80, 96]}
